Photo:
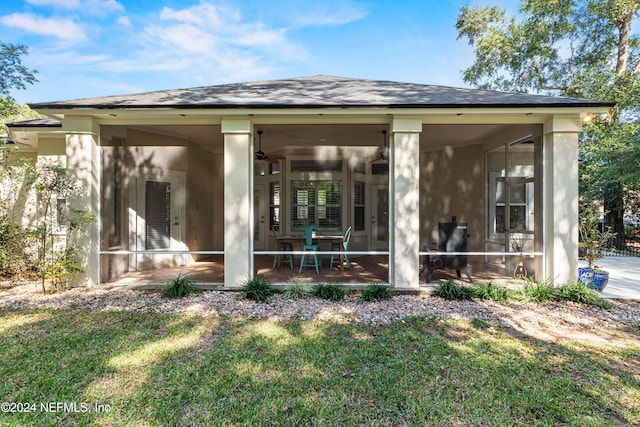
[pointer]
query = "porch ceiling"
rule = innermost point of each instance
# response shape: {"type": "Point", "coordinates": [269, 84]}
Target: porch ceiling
{"type": "Point", "coordinates": [287, 137]}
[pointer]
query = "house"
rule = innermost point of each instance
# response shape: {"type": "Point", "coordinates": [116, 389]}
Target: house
{"type": "Point", "coordinates": [174, 176]}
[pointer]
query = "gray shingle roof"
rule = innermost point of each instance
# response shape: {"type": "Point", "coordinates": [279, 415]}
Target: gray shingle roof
{"type": "Point", "coordinates": [36, 123]}
{"type": "Point", "coordinates": [319, 92]}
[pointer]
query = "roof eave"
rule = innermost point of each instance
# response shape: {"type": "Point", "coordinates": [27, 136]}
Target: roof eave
{"type": "Point", "coordinates": [59, 107]}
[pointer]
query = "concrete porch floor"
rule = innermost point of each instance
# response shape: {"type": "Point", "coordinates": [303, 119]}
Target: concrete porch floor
{"type": "Point", "coordinates": [209, 273]}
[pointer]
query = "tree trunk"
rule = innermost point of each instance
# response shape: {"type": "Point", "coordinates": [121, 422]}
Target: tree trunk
{"type": "Point", "coordinates": [624, 27]}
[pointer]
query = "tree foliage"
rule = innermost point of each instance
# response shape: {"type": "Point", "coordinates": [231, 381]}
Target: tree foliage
{"type": "Point", "coordinates": [13, 75]}
{"type": "Point", "coordinates": [577, 48]}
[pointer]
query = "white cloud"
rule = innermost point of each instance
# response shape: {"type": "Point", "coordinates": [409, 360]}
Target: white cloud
{"type": "Point", "coordinates": [263, 37]}
{"type": "Point", "coordinates": [67, 4]}
{"type": "Point", "coordinates": [124, 21]}
{"type": "Point", "coordinates": [61, 28]}
{"type": "Point", "coordinates": [217, 30]}
{"type": "Point", "coordinates": [203, 14]}
{"type": "Point", "coordinates": [91, 7]}
{"type": "Point", "coordinates": [305, 14]}
{"type": "Point", "coordinates": [100, 7]}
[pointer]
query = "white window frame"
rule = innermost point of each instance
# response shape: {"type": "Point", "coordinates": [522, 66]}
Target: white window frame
{"type": "Point", "coordinates": [524, 178]}
{"type": "Point", "coordinates": [315, 176]}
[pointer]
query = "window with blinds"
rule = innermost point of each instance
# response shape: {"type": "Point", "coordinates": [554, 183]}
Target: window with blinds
{"type": "Point", "coordinates": [158, 215]}
{"type": "Point", "coordinates": [274, 205]}
{"type": "Point", "coordinates": [316, 203]}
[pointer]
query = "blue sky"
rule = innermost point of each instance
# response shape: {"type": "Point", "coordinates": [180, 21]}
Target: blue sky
{"type": "Point", "coordinates": [87, 48]}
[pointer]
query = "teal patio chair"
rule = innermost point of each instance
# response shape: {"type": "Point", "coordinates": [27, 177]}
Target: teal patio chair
{"type": "Point", "coordinates": [281, 246]}
{"type": "Point", "coordinates": [310, 246]}
{"type": "Point", "coordinates": [336, 247]}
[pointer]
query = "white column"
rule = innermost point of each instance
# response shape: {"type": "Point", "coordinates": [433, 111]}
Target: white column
{"type": "Point", "coordinates": [560, 235]}
{"type": "Point", "coordinates": [238, 201]}
{"type": "Point", "coordinates": [404, 174]}
{"type": "Point", "coordinates": [83, 159]}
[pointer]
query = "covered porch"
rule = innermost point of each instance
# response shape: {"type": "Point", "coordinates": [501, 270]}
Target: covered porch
{"type": "Point", "coordinates": [210, 177]}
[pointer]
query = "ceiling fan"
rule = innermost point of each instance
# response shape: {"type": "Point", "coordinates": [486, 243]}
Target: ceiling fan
{"type": "Point", "coordinates": [261, 155]}
{"type": "Point", "coordinates": [383, 154]}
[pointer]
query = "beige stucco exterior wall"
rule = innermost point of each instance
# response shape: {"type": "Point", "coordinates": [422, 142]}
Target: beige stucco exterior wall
{"type": "Point", "coordinates": [452, 183]}
{"type": "Point", "coordinates": [20, 204]}
{"type": "Point", "coordinates": [201, 206]}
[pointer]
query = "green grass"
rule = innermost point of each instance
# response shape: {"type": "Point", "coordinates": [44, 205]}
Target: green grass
{"type": "Point", "coordinates": [166, 370]}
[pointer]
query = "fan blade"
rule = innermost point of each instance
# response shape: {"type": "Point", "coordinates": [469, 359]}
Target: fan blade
{"type": "Point", "coordinates": [273, 158]}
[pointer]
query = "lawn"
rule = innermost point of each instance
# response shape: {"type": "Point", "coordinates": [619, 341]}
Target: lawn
{"type": "Point", "coordinates": [124, 369]}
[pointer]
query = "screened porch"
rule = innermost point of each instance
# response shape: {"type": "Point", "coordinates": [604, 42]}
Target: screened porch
{"type": "Point", "coordinates": [162, 209]}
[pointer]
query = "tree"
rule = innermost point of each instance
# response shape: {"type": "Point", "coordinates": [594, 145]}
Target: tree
{"type": "Point", "coordinates": [577, 48]}
{"type": "Point", "coordinates": [13, 75]}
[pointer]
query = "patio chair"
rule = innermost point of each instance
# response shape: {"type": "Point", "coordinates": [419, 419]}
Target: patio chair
{"type": "Point", "coordinates": [310, 246]}
{"type": "Point", "coordinates": [336, 247]}
{"type": "Point", "coordinates": [282, 246]}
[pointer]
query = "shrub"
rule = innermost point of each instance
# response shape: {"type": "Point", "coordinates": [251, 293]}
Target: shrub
{"type": "Point", "coordinates": [296, 290]}
{"type": "Point", "coordinates": [491, 291]}
{"type": "Point", "coordinates": [14, 245]}
{"type": "Point", "coordinates": [452, 291]}
{"type": "Point", "coordinates": [178, 287]}
{"type": "Point", "coordinates": [581, 293]}
{"type": "Point", "coordinates": [376, 292]}
{"type": "Point", "coordinates": [330, 291]}
{"type": "Point", "coordinates": [258, 289]}
{"type": "Point", "coordinates": [538, 291]}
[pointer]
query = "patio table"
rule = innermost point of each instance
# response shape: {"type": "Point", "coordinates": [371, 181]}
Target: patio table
{"type": "Point", "coordinates": [297, 239]}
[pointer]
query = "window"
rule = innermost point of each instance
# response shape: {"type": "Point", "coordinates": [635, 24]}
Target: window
{"type": "Point", "coordinates": [520, 204]}
{"type": "Point", "coordinates": [380, 169]}
{"type": "Point", "coordinates": [274, 205]}
{"type": "Point", "coordinates": [261, 168]}
{"type": "Point", "coordinates": [316, 203]}
{"type": "Point", "coordinates": [358, 206]}
{"type": "Point", "coordinates": [316, 165]}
